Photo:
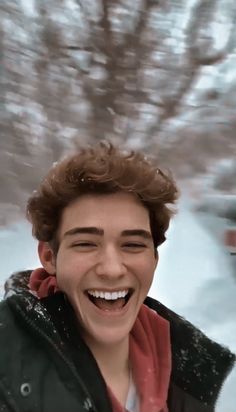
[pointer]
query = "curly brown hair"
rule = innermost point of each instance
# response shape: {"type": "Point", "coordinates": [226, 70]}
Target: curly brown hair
{"type": "Point", "coordinates": [98, 170]}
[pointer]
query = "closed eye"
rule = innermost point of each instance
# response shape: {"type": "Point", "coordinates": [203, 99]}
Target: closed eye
{"type": "Point", "coordinates": [83, 244]}
{"type": "Point", "coordinates": [134, 246]}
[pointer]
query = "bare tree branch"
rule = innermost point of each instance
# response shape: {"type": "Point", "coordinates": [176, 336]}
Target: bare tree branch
{"type": "Point", "coordinates": [194, 62]}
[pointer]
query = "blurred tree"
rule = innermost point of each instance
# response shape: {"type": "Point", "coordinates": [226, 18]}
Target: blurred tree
{"type": "Point", "coordinates": [156, 74]}
{"type": "Point", "coordinates": [225, 179]}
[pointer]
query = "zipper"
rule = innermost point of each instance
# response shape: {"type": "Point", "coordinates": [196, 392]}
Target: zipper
{"type": "Point", "coordinates": [60, 353]}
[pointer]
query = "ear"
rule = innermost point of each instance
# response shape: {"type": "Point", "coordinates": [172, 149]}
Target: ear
{"type": "Point", "coordinates": [47, 257]}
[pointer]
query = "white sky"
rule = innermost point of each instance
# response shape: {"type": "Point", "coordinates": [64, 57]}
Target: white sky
{"type": "Point", "coordinates": [29, 7]}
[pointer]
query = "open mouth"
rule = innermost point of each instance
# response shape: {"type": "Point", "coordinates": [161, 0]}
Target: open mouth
{"type": "Point", "coordinates": [110, 301]}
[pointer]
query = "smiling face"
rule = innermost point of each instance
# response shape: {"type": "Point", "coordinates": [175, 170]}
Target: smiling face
{"type": "Point", "coordinates": [105, 263]}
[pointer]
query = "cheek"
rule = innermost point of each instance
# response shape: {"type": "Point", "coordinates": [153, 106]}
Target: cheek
{"type": "Point", "coordinates": [148, 280]}
{"type": "Point", "coordinates": [146, 273]}
{"type": "Point", "coordinates": [68, 274]}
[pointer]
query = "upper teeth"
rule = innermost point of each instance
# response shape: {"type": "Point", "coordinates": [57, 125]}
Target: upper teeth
{"type": "Point", "coordinates": [108, 295]}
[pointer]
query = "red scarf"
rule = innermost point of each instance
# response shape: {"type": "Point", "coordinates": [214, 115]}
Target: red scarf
{"type": "Point", "coordinates": [42, 283]}
{"type": "Point", "coordinates": [150, 355]}
{"type": "Point", "coordinates": [150, 350]}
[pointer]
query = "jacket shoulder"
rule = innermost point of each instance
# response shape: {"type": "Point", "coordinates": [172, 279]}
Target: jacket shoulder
{"type": "Point", "coordinates": [11, 338]}
{"type": "Point", "coordinates": [8, 326]}
{"type": "Point", "coordinates": [31, 362]}
{"type": "Point", "coordinates": [199, 365]}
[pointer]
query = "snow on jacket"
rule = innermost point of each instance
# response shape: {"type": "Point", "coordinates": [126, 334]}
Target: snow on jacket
{"type": "Point", "coordinates": [45, 366]}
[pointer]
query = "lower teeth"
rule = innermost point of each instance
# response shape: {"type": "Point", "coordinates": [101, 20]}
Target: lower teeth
{"type": "Point", "coordinates": [108, 304]}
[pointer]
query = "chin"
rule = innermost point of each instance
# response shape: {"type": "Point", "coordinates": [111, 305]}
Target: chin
{"type": "Point", "coordinates": [108, 336]}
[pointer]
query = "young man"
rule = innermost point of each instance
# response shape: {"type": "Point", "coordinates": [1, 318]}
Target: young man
{"type": "Point", "coordinates": [80, 334]}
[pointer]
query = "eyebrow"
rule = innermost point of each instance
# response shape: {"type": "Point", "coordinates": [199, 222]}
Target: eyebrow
{"type": "Point", "coordinates": [100, 232]}
{"type": "Point", "coordinates": [137, 232]}
{"type": "Point", "coordinates": [87, 230]}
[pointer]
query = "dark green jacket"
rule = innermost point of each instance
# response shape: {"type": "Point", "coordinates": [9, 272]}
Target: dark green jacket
{"type": "Point", "coordinates": [45, 366]}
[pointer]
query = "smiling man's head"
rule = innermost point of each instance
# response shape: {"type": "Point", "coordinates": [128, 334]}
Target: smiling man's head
{"type": "Point", "coordinates": [99, 216]}
{"type": "Point", "coordinates": [98, 170]}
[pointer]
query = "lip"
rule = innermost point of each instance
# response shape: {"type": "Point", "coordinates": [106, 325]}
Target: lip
{"type": "Point", "coordinates": [111, 314]}
{"type": "Point", "coordinates": [109, 290]}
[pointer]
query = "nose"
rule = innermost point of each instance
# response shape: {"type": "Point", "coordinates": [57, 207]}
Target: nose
{"type": "Point", "coordinates": [111, 264]}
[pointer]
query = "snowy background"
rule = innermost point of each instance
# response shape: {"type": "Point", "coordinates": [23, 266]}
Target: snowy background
{"type": "Point", "coordinates": [194, 277]}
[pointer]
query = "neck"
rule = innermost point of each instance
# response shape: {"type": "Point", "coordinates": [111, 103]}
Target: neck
{"type": "Point", "coordinates": [113, 360]}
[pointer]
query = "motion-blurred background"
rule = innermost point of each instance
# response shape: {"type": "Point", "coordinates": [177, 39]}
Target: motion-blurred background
{"type": "Point", "coordinates": [157, 75]}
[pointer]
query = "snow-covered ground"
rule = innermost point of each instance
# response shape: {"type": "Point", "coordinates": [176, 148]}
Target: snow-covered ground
{"type": "Point", "coordinates": [194, 278]}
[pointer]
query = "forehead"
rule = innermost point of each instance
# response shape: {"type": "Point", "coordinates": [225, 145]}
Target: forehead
{"type": "Point", "coordinates": [118, 211]}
